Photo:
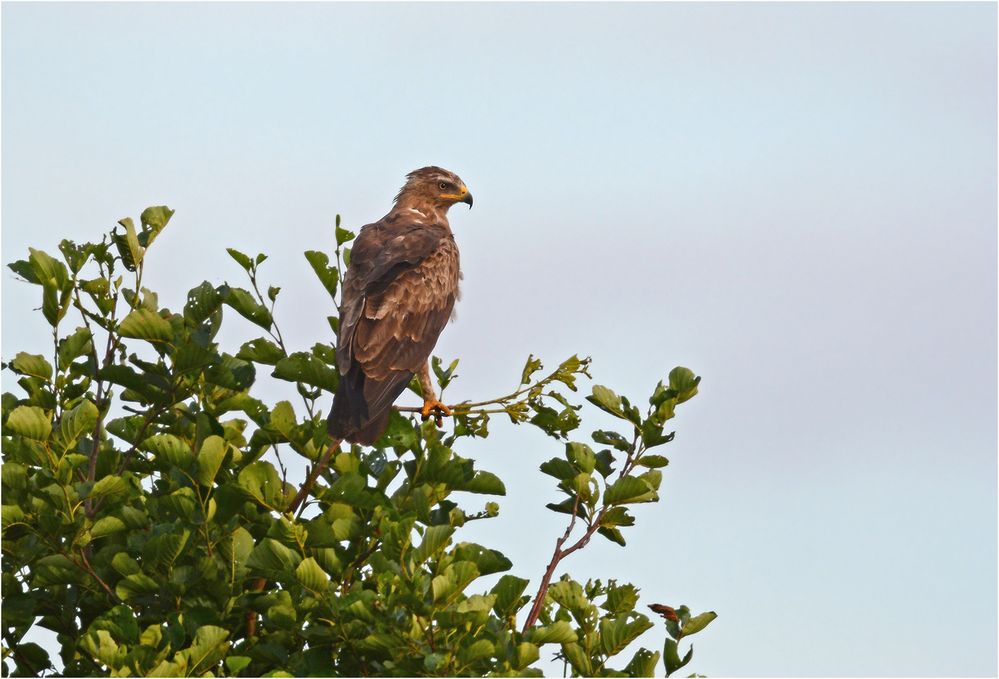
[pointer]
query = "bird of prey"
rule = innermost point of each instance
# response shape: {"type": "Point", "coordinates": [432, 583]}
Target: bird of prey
{"type": "Point", "coordinates": [398, 294]}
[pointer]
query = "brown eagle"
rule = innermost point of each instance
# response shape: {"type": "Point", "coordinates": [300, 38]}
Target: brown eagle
{"type": "Point", "coordinates": [398, 295]}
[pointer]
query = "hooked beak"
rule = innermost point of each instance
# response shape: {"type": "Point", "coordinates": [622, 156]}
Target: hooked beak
{"type": "Point", "coordinates": [463, 196]}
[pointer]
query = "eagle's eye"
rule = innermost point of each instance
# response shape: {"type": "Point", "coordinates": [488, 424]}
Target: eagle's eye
{"type": "Point", "coordinates": [442, 185]}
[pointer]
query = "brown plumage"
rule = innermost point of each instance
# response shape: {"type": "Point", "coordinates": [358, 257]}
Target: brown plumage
{"type": "Point", "coordinates": [398, 295]}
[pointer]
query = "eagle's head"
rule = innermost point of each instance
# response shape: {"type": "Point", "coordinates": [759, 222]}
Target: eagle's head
{"type": "Point", "coordinates": [434, 187]}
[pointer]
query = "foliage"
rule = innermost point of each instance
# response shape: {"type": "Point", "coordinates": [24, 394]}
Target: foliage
{"type": "Point", "coordinates": [144, 526]}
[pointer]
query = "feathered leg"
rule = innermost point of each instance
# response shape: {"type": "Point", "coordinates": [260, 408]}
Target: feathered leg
{"type": "Point", "coordinates": [430, 402]}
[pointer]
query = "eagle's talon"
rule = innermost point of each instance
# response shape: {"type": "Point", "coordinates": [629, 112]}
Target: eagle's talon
{"type": "Point", "coordinates": [438, 409]}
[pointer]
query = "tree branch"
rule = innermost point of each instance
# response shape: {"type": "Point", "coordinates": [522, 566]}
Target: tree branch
{"type": "Point", "coordinates": [557, 556]}
{"type": "Point", "coordinates": [89, 569]}
{"type": "Point", "coordinates": [303, 493]}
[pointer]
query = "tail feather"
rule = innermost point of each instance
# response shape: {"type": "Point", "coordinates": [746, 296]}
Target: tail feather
{"type": "Point", "coordinates": [362, 406]}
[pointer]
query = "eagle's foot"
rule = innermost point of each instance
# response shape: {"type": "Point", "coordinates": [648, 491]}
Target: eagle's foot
{"type": "Point", "coordinates": [438, 409]}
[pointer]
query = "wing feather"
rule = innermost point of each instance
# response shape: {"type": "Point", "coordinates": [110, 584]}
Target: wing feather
{"type": "Point", "coordinates": [398, 295]}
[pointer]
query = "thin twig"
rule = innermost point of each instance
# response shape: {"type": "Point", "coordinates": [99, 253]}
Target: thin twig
{"type": "Point", "coordinates": [55, 374]}
{"type": "Point", "coordinates": [557, 556]}
{"type": "Point", "coordinates": [284, 470]}
{"type": "Point", "coordinates": [139, 438]}
{"type": "Point", "coordinates": [592, 527]}
{"type": "Point", "coordinates": [99, 400]}
{"type": "Point", "coordinates": [87, 567]}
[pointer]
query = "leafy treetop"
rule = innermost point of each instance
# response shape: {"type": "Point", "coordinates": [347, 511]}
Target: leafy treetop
{"type": "Point", "coordinates": [148, 518]}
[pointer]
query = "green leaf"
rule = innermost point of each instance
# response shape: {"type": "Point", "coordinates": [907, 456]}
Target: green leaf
{"type": "Point", "coordinates": [125, 565]}
{"type": "Point", "coordinates": [616, 634]}
{"type": "Point", "coordinates": [11, 514]}
{"type": "Point", "coordinates": [488, 561]}
{"type": "Point", "coordinates": [509, 590]}
{"type": "Point", "coordinates": [569, 594]}
{"type": "Point", "coordinates": [525, 654]}
{"type": "Point", "coordinates": [653, 461]}
{"type": "Point", "coordinates": [207, 650]}
{"type": "Point", "coordinates": [579, 659]}
{"type": "Point", "coordinates": [532, 366]}
{"type": "Point", "coordinates": [135, 585]}
{"type": "Point", "coordinates": [326, 274]}
{"type": "Point", "coordinates": [55, 569]}
{"type": "Point", "coordinates": [478, 650]}
{"type": "Point", "coordinates": [283, 417]}
{"type": "Point", "coordinates": [169, 448]}
{"type": "Point", "coordinates": [15, 476]}
{"type": "Point", "coordinates": [306, 368]}
{"type": "Point", "coordinates": [210, 457]}
{"type": "Point", "coordinates": [273, 559]}
{"type": "Point", "coordinates": [146, 325]}
{"type": "Point", "coordinates": [231, 373]}
{"type": "Point", "coordinates": [612, 534]}
{"type": "Point", "coordinates": [671, 658]}
{"type": "Point", "coordinates": [653, 478]}
{"type": "Point", "coordinates": [243, 303]}
{"type": "Point", "coordinates": [128, 245]}
{"type": "Point", "coordinates": [629, 489]}
{"type": "Point", "coordinates": [434, 540]}
{"type": "Point", "coordinates": [241, 259]}
{"type": "Point", "coordinates": [106, 525]}
{"type": "Point", "coordinates": [152, 635]}
{"type": "Point", "coordinates": [22, 268]}
{"type": "Point", "coordinates": [581, 455]}
{"type": "Point", "coordinates": [167, 668]}
{"type": "Point", "coordinates": [163, 550]}
{"type": "Point", "coordinates": [202, 302]}
{"type": "Point", "coordinates": [612, 438]}
{"type": "Point", "coordinates": [342, 235]}
{"type": "Point", "coordinates": [559, 632]}
{"type": "Point", "coordinates": [237, 663]}
{"type": "Point", "coordinates": [33, 365]}
{"type": "Point", "coordinates": [400, 432]}
{"type": "Point", "coordinates": [48, 270]}
{"type": "Point", "coordinates": [73, 346]}
{"type": "Point", "coordinates": [261, 481]}
{"type": "Point", "coordinates": [566, 506]}
{"type": "Point", "coordinates": [485, 483]}
{"type": "Point", "coordinates": [76, 422]}
{"type": "Point", "coordinates": [643, 664]}
{"type": "Point", "coordinates": [101, 646]}
{"type": "Point", "coordinates": [606, 400]}
{"type": "Point", "coordinates": [444, 377]}
{"type": "Point", "coordinates": [30, 422]}
{"type": "Point", "coordinates": [665, 410]}
{"type": "Point", "coordinates": [53, 307]}
{"type": "Point", "coordinates": [108, 486]}
{"type": "Point", "coordinates": [621, 599]}
{"type": "Point", "coordinates": [154, 219]}
{"type": "Point", "coordinates": [684, 383]}
{"type": "Point", "coordinates": [432, 662]}
{"type": "Point", "coordinates": [617, 516]}
{"type": "Point", "coordinates": [31, 659]}
{"type": "Point", "coordinates": [312, 576]}
{"type": "Point", "coordinates": [559, 468]}
{"type": "Point", "coordinates": [697, 623]}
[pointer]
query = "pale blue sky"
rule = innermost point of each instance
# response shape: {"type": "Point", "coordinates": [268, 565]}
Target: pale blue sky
{"type": "Point", "coordinates": [797, 201]}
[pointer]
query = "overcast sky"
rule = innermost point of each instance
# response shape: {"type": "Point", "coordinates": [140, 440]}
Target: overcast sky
{"type": "Point", "coordinates": [797, 201]}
